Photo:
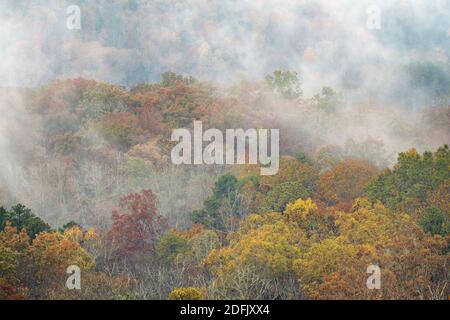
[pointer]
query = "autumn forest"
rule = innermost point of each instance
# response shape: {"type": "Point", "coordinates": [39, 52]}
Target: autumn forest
{"type": "Point", "coordinates": [87, 182]}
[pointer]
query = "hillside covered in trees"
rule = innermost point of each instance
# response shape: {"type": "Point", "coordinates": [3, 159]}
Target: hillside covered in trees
{"type": "Point", "coordinates": [358, 93]}
{"type": "Point", "coordinates": [94, 187]}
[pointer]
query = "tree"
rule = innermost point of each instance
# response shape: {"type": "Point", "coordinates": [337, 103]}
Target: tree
{"type": "Point", "coordinates": [430, 80]}
{"type": "Point", "coordinates": [295, 179]}
{"type": "Point", "coordinates": [59, 104]}
{"type": "Point", "coordinates": [322, 259]}
{"type": "Point", "coordinates": [136, 226]}
{"type": "Point", "coordinates": [282, 194]}
{"type": "Point", "coordinates": [171, 246]}
{"type": "Point", "coordinates": [37, 268]}
{"type": "Point", "coordinates": [309, 218]}
{"type": "Point", "coordinates": [138, 171]}
{"type": "Point", "coordinates": [435, 221]}
{"type": "Point", "coordinates": [303, 157]}
{"type": "Point", "coordinates": [345, 182]}
{"type": "Point", "coordinates": [183, 103]}
{"type": "Point", "coordinates": [223, 208]}
{"type": "Point", "coordinates": [413, 180]}
{"type": "Point", "coordinates": [69, 225]}
{"type": "Point", "coordinates": [201, 243]}
{"type": "Point", "coordinates": [440, 197]}
{"type": "Point", "coordinates": [291, 170]}
{"type": "Point", "coordinates": [258, 262]}
{"type": "Point", "coordinates": [52, 253]}
{"type": "Point", "coordinates": [286, 84]}
{"type": "Point", "coordinates": [13, 246]}
{"type": "Point", "coordinates": [121, 129]}
{"type": "Point", "coordinates": [22, 218]}
{"type": "Point", "coordinates": [328, 100]}
{"type": "Point", "coordinates": [103, 98]}
{"type": "Point", "coordinates": [3, 217]}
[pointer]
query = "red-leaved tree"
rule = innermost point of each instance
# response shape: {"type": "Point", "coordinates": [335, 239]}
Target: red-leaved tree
{"type": "Point", "coordinates": [136, 226]}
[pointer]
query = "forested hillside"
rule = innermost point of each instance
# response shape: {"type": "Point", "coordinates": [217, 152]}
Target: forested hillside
{"type": "Point", "coordinates": [87, 180]}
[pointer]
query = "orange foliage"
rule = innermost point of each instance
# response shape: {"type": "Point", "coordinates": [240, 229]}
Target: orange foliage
{"type": "Point", "coordinates": [345, 182]}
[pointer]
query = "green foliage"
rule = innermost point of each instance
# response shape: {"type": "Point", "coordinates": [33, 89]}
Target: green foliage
{"type": "Point", "coordinates": [22, 218]}
{"type": "Point", "coordinates": [169, 78]}
{"type": "Point", "coordinates": [328, 100]}
{"type": "Point", "coordinates": [209, 218]}
{"type": "Point", "coordinates": [102, 99]}
{"type": "Point", "coordinates": [3, 217]}
{"type": "Point", "coordinates": [225, 185]}
{"type": "Point", "coordinates": [277, 198]}
{"type": "Point", "coordinates": [171, 246]}
{"type": "Point", "coordinates": [412, 180]}
{"type": "Point", "coordinates": [202, 244]}
{"type": "Point", "coordinates": [286, 84]}
{"type": "Point", "coordinates": [222, 204]}
{"type": "Point", "coordinates": [435, 221]}
{"type": "Point", "coordinates": [304, 158]}
{"type": "Point", "coordinates": [68, 225]}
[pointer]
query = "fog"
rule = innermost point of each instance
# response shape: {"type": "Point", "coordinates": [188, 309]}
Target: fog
{"type": "Point", "coordinates": [330, 43]}
{"type": "Point", "coordinates": [387, 76]}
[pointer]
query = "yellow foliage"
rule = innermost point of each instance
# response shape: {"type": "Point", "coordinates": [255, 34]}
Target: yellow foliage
{"type": "Point", "coordinates": [301, 210]}
{"type": "Point", "coordinates": [373, 234]}
{"type": "Point", "coordinates": [187, 294]}
{"type": "Point", "coordinates": [52, 253]}
{"type": "Point", "coordinates": [323, 259]}
{"type": "Point", "coordinates": [267, 242]}
{"type": "Point", "coordinates": [12, 247]}
{"type": "Point", "coordinates": [91, 235]}
{"type": "Point", "coordinates": [74, 234]}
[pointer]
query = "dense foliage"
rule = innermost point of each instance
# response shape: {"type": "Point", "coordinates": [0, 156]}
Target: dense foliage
{"type": "Point", "coordinates": [105, 197]}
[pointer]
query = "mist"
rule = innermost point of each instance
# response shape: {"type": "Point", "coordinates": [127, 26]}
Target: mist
{"type": "Point", "coordinates": [394, 80]}
{"type": "Point", "coordinates": [131, 41]}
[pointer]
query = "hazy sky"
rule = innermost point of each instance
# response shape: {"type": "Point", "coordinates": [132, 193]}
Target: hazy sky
{"type": "Point", "coordinates": [131, 41]}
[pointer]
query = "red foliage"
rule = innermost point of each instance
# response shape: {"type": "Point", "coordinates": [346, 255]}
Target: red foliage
{"type": "Point", "coordinates": [9, 292]}
{"type": "Point", "coordinates": [149, 112]}
{"type": "Point", "coordinates": [136, 226]}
